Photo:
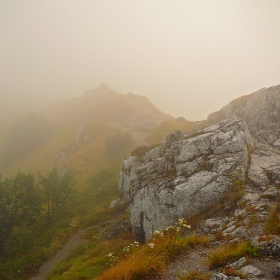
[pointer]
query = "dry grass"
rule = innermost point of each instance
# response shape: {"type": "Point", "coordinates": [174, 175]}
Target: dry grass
{"type": "Point", "coordinates": [229, 253]}
{"type": "Point", "coordinates": [194, 275]}
{"type": "Point", "coordinates": [229, 271]}
{"type": "Point", "coordinates": [273, 221]}
{"type": "Point", "coordinates": [146, 261]}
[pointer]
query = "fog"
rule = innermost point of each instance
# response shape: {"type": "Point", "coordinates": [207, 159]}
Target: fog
{"type": "Point", "coordinates": [189, 58]}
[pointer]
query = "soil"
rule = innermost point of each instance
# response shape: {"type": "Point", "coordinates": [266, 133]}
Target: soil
{"type": "Point", "coordinates": [75, 241]}
{"type": "Point", "coordinates": [197, 260]}
{"type": "Point", "coordinates": [193, 260]}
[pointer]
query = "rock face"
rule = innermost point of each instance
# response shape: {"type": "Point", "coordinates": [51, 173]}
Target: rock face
{"type": "Point", "coordinates": [260, 110]}
{"type": "Point", "coordinates": [183, 176]}
{"type": "Point", "coordinates": [246, 107]}
{"type": "Point", "coordinates": [187, 174]}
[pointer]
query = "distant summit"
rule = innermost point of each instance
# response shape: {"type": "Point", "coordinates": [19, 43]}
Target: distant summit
{"type": "Point", "coordinates": [130, 112]}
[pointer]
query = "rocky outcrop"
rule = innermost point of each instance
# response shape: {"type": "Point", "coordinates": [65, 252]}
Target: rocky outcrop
{"type": "Point", "coordinates": [260, 110]}
{"type": "Point", "coordinates": [246, 107]}
{"type": "Point", "coordinates": [183, 176]}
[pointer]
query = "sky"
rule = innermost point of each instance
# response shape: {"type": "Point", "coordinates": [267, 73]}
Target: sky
{"type": "Point", "coordinates": [188, 57]}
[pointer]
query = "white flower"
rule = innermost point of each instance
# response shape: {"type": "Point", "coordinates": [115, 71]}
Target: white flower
{"type": "Point", "coordinates": [151, 245]}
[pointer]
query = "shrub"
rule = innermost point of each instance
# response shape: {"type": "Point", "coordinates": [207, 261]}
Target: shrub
{"type": "Point", "coordinates": [140, 151]}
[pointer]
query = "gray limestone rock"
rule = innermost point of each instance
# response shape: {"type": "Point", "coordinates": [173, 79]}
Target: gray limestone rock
{"type": "Point", "coordinates": [246, 107]}
{"type": "Point", "coordinates": [187, 174]}
{"type": "Point", "coordinates": [276, 270]}
{"type": "Point", "coordinates": [260, 110]}
{"type": "Point", "coordinates": [251, 271]}
{"type": "Point", "coordinates": [183, 177]}
{"type": "Point", "coordinates": [116, 203]}
{"type": "Point", "coordinates": [241, 262]}
{"type": "Point", "coordinates": [219, 276]}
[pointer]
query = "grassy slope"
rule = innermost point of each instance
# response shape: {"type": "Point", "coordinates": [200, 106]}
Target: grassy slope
{"type": "Point", "coordinates": [160, 132]}
{"type": "Point", "coordinates": [96, 171]}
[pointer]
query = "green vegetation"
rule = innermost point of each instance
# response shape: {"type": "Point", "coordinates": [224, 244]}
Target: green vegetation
{"type": "Point", "coordinates": [56, 191]}
{"type": "Point", "coordinates": [273, 221]}
{"type": "Point", "coordinates": [159, 133]}
{"type": "Point", "coordinates": [140, 151]}
{"type": "Point", "coordinates": [138, 262]}
{"type": "Point", "coordinates": [230, 253]}
{"type": "Point", "coordinates": [25, 234]}
{"type": "Point", "coordinates": [43, 210]}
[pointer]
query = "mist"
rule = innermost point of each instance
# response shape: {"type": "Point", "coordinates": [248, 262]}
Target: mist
{"type": "Point", "coordinates": [189, 58]}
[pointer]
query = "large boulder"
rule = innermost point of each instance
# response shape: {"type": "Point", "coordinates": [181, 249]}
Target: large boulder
{"type": "Point", "coordinates": [183, 176]}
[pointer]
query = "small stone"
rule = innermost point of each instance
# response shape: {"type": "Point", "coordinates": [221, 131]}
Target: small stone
{"type": "Point", "coordinates": [235, 240]}
{"type": "Point", "coordinates": [241, 262]}
{"type": "Point", "coordinates": [219, 276]}
{"type": "Point", "coordinates": [116, 203]}
{"type": "Point", "coordinates": [217, 243]}
{"type": "Point", "coordinates": [276, 270]}
{"type": "Point", "coordinates": [229, 229]}
{"type": "Point", "coordinates": [251, 271]}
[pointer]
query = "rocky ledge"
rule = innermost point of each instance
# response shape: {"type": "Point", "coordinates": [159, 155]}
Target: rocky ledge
{"type": "Point", "coordinates": [185, 175]}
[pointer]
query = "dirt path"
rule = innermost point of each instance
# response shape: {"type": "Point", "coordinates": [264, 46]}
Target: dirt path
{"type": "Point", "coordinates": [195, 259]}
{"type": "Point", "coordinates": [75, 241]}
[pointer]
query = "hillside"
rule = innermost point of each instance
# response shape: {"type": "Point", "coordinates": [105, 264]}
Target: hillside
{"type": "Point", "coordinates": [89, 136]}
{"type": "Point", "coordinates": [130, 112]}
{"type": "Point", "coordinates": [59, 133]}
{"type": "Point", "coordinates": [223, 178]}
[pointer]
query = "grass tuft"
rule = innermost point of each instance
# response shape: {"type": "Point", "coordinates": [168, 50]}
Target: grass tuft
{"type": "Point", "coordinates": [230, 253]}
{"type": "Point", "coordinates": [273, 221]}
{"type": "Point", "coordinates": [150, 259]}
{"type": "Point", "coordinates": [194, 275]}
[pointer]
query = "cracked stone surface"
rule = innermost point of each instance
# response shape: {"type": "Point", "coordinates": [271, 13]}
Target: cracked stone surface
{"type": "Point", "coordinates": [185, 175]}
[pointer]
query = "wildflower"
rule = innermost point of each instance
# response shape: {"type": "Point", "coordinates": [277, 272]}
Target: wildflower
{"type": "Point", "coordinates": [126, 249]}
{"type": "Point", "coordinates": [151, 245]}
{"type": "Point", "coordinates": [170, 228]}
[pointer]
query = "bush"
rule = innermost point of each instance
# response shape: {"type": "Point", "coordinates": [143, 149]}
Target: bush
{"type": "Point", "coordinates": [140, 151]}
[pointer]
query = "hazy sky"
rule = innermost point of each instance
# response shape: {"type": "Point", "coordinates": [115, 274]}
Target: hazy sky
{"type": "Point", "coordinates": [189, 58]}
